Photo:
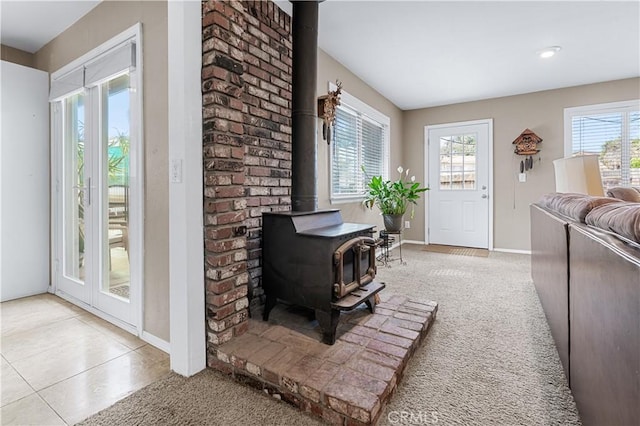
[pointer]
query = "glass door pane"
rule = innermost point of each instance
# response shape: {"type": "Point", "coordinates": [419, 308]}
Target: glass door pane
{"type": "Point", "coordinates": [469, 162]}
{"type": "Point", "coordinates": [115, 143]}
{"type": "Point", "coordinates": [74, 189]}
{"type": "Point", "coordinates": [458, 162]}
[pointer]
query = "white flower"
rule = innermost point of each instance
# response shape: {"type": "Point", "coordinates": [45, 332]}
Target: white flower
{"type": "Point", "coordinates": [407, 173]}
{"type": "Point", "coordinates": [400, 169]}
{"type": "Point", "coordinates": [413, 178]}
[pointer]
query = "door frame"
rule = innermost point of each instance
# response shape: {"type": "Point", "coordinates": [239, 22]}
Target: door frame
{"type": "Point", "coordinates": [427, 128]}
{"type": "Point", "coordinates": [136, 199]}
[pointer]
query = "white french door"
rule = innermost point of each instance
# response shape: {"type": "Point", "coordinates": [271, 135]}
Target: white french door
{"type": "Point", "coordinates": [97, 220]}
{"type": "Point", "coordinates": [458, 162]}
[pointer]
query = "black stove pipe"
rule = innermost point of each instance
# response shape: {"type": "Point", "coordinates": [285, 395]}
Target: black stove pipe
{"type": "Point", "coordinates": [304, 194]}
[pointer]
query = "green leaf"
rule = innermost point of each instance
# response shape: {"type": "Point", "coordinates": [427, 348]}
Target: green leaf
{"type": "Point", "coordinates": [392, 197]}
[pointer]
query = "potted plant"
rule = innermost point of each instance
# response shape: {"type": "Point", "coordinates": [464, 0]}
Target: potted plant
{"type": "Point", "coordinates": [393, 198]}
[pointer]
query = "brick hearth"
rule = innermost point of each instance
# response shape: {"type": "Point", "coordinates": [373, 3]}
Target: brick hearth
{"type": "Point", "coordinates": [347, 383]}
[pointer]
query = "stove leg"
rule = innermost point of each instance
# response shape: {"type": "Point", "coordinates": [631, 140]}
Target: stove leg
{"type": "Point", "coordinates": [371, 304]}
{"type": "Point", "coordinates": [268, 306]}
{"type": "Point", "coordinates": [328, 323]}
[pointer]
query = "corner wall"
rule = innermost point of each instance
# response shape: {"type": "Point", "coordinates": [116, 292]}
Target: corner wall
{"type": "Point", "coordinates": [542, 112]}
{"type": "Point", "coordinates": [328, 71]}
{"type": "Point", "coordinates": [17, 56]}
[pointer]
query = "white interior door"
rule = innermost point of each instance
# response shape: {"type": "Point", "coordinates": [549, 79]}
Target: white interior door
{"type": "Point", "coordinates": [24, 182]}
{"type": "Point", "coordinates": [459, 180]}
{"type": "Point", "coordinates": [97, 220]}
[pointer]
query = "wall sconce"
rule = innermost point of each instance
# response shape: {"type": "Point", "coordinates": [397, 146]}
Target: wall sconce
{"type": "Point", "coordinates": [527, 144]}
{"type": "Point", "coordinates": [327, 105]}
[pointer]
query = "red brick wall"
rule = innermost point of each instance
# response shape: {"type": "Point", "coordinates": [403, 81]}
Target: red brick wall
{"type": "Point", "coordinates": [246, 97]}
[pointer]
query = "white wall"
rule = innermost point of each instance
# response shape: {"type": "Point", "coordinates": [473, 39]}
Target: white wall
{"type": "Point", "coordinates": [24, 182]}
{"type": "Point", "coordinates": [186, 260]}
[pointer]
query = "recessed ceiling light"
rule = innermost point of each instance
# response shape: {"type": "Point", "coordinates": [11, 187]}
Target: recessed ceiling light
{"type": "Point", "coordinates": [549, 51]}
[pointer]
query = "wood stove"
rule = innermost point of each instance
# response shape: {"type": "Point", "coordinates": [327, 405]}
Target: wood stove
{"type": "Point", "coordinates": [314, 259]}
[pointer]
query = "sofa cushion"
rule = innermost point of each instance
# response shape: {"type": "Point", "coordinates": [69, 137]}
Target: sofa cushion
{"type": "Point", "coordinates": [620, 218]}
{"type": "Point", "coordinates": [626, 194]}
{"type": "Point", "coordinates": [574, 206]}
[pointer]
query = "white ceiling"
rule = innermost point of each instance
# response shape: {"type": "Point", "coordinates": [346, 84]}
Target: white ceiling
{"type": "Point", "coordinates": [28, 25]}
{"type": "Point", "coordinates": [427, 53]}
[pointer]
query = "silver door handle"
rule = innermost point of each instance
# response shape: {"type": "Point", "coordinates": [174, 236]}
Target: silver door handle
{"type": "Point", "coordinates": [86, 191]}
{"type": "Point", "coordinates": [485, 196]}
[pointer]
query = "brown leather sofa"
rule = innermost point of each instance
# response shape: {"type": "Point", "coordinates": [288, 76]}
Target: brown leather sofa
{"type": "Point", "coordinates": [585, 265]}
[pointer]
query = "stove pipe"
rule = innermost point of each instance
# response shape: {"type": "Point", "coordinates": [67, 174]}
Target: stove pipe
{"type": "Point", "coordinates": [304, 196]}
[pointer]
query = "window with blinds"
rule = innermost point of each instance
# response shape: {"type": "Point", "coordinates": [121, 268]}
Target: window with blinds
{"type": "Point", "coordinates": [358, 140]}
{"type": "Point", "coordinates": [612, 132]}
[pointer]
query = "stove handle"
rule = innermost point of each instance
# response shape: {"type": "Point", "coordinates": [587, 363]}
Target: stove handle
{"type": "Point", "coordinates": [358, 245]}
{"type": "Point", "coordinates": [371, 242]}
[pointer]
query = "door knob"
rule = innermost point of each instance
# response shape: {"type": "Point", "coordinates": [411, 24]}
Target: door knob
{"type": "Point", "coordinates": [485, 196]}
{"type": "Point", "coordinates": [86, 191]}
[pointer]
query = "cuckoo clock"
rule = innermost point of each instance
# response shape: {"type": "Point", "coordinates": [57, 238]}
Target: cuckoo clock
{"type": "Point", "coordinates": [527, 144]}
{"type": "Point", "coordinates": [327, 105]}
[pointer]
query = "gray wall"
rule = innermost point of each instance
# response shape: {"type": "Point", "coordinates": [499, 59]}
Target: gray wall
{"type": "Point", "coordinates": [329, 70]}
{"type": "Point", "coordinates": [542, 112]}
{"type": "Point", "coordinates": [101, 24]}
{"type": "Point", "coordinates": [17, 56]}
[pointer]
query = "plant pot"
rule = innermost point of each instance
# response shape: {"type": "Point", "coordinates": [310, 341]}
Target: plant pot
{"type": "Point", "coordinates": [393, 222]}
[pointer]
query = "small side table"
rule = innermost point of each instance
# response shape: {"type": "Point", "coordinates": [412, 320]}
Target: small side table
{"type": "Point", "coordinates": [388, 238]}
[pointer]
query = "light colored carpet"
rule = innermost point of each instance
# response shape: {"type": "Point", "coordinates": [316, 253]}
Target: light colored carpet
{"type": "Point", "coordinates": [460, 251]}
{"type": "Point", "coordinates": [489, 359]}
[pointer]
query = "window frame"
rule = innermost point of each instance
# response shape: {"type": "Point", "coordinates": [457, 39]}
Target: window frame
{"type": "Point", "coordinates": [362, 109]}
{"type": "Point", "coordinates": [621, 107]}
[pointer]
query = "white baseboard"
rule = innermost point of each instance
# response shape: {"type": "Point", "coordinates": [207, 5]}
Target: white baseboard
{"type": "Point", "coordinates": [163, 345]}
{"type": "Point", "coordinates": [503, 250]}
{"type": "Point", "coordinates": [393, 246]}
{"type": "Point", "coordinates": [396, 245]}
{"type": "Point", "coordinates": [413, 242]}
{"type": "Point", "coordinates": [113, 320]}
{"type": "Point", "coordinates": [512, 251]}
{"type": "Point", "coordinates": [159, 343]}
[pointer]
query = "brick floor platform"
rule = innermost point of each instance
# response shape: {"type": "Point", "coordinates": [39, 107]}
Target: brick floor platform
{"type": "Point", "coordinates": [347, 383]}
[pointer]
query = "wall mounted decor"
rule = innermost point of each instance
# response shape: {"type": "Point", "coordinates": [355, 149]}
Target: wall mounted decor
{"type": "Point", "coordinates": [327, 105]}
{"type": "Point", "coordinates": [527, 144]}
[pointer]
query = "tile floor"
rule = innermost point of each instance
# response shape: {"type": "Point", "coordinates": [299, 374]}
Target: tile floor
{"type": "Point", "coordinates": [61, 364]}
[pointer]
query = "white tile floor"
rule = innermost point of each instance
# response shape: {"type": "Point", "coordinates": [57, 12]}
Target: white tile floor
{"type": "Point", "coordinates": [61, 364]}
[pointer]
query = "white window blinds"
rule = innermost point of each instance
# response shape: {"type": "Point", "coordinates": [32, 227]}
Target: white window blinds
{"type": "Point", "coordinates": [67, 84]}
{"type": "Point", "coordinates": [109, 65]}
{"type": "Point", "coordinates": [358, 140]}
{"type": "Point", "coordinates": [104, 67]}
{"type": "Point", "coordinates": [614, 135]}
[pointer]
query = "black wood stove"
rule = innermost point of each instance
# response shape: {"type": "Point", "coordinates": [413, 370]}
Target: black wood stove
{"type": "Point", "coordinates": [314, 259]}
